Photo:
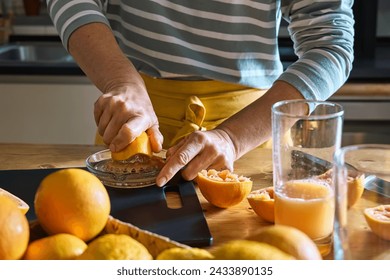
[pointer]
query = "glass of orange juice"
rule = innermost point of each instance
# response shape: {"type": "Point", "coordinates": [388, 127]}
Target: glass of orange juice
{"type": "Point", "coordinates": [305, 135]}
{"type": "Point", "coordinates": [362, 192]}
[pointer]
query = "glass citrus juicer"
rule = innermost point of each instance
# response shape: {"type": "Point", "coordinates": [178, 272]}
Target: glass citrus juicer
{"type": "Point", "coordinates": [134, 167]}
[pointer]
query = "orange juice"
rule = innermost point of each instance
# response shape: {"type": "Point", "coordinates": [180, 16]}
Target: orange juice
{"type": "Point", "coordinates": [307, 205]}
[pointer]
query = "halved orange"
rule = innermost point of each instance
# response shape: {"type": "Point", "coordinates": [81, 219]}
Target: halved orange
{"type": "Point", "coordinates": [355, 189]}
{"type": "Point", "coordinates": [355, 184]}
{"type": "Point", "coordinates": [23, 206]}
{"type": "Point", "coordinates": [223, 188]}
{"type": "Point", "coordinates": [378, 219]}
{"type": "Point", "coordinates": [14, 230]}
{"type": "Point", "coordinates": [262, 202]}
{"type": "Point", "coordinates": [140, 145]}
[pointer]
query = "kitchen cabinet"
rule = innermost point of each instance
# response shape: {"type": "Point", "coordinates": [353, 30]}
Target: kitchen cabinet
{"type": "Point", "coordinates": [52, 110]}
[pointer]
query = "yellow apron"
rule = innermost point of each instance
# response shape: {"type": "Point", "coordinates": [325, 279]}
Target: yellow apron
{"type": "Point", "coordinates": [184, 106]}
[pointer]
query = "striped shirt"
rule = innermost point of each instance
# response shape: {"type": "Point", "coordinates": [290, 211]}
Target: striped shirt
{"type": "Point", "coordinates": [228, 40]}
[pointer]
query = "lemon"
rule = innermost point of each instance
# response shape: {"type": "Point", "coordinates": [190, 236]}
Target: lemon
{"type": "Point", "coordinates": [185, 254]}
{"type": "Point", "coordinates": [249, 250]}
{"type": "Point", "coordinates": [62, 246]}
{"type": "Point", "coordinates": [290, 240]}
{"type": "Point", "coordinates": [112, 246]}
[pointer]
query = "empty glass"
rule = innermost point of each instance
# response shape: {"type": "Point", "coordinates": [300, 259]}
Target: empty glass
{"type": "Point", "coordinates": [362, 223]}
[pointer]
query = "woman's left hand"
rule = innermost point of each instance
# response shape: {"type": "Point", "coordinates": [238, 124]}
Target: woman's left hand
{"type": "Point", "coordinates": [197, 151]}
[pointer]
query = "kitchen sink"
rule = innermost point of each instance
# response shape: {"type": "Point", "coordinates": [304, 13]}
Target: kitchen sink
{"type": "Point", "coordinates": [34, 52]}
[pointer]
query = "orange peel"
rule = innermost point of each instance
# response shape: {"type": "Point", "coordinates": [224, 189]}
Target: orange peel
{"type": "Point", "coordinates": [355, 185]}
{"type": "Point", "coordinates": [263, 203]}
{"type": "Point", "coordinates": [21, 204]}
{"type": "Point", "coordinates": [355, 189]}
{"type": "Point", "coordinates": [223, 188]}
{"type": "Point", "coordinates": [14, 230]}
{"type": "Point", "coordinates": [140, 145]}
{"type": "Point", "coordinates": [378, 219]}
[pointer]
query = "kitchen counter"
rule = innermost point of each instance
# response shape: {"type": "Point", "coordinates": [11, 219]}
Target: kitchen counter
{"type": "Point", "coordinates": [225, 224]}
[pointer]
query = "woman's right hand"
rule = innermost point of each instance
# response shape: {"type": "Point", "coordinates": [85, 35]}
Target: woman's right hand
{"type": "Point", "coordinates": [123, 112]}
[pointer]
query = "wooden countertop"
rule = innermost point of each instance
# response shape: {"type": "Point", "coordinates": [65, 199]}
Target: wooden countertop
{"type": "Point", "coordinates": [364, 90]}
{"type": "Point", "coordinates": [225, 224]}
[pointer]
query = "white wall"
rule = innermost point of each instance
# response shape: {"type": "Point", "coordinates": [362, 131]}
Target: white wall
{"type": "Point", "coordinates": [47, 113]}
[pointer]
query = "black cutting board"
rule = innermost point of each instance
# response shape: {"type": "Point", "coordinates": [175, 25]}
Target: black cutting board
{"type": "Point", "coordinates": [143, 207]}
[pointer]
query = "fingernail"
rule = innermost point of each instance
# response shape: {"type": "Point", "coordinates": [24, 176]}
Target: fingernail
{"type": "Point", "coordinates": [161, 181]}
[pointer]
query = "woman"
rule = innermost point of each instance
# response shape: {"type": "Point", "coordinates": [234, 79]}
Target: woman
{"type": "Point", "coordinates": [202, 73]}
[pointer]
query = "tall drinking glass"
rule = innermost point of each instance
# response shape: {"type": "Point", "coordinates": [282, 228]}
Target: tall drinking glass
{"type": "Point", "coordinates": [362, 230]}
{"type": "Point", "coordinates": [305, 135]}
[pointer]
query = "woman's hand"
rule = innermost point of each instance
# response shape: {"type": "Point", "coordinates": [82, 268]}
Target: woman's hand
{"type": "Point", "coordinates": [123, 113]}
{"type": "Point", "coordinates": [124, 110]}
{"type": "Point", "coordinates": [199, 150]}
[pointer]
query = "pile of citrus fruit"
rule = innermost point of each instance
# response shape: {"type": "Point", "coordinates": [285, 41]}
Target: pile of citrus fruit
{"type": "Point", "coordinates": [275, 242]}
{"type": "Point", "coordinates": [72, 208]}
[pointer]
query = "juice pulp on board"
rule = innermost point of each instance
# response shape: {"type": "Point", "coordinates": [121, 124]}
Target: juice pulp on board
{"type": "Point", "coordinates": [307, 205]}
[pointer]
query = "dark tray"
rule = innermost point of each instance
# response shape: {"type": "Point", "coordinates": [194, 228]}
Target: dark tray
{"type": "Point", "coordinates": [145, 207]}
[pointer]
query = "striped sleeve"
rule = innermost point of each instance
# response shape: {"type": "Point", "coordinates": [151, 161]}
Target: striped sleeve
{"type": "Point", "coordinates": [231, 41]}
{"type": "Point", "coordinates": [322, 32]}
{"type": "Point", "coordinates": [67, 15]}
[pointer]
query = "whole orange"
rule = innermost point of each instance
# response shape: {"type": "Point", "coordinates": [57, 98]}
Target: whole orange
{"type": "Point", "coordinates": [72, 201]}
{"type": "Point", "coordinates": [14, 230]}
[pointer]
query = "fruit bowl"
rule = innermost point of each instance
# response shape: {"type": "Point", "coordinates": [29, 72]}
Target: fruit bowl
{"type": "Point", "coordinates": [139, 171]}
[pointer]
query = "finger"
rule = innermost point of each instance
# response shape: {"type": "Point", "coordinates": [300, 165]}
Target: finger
{"type": "Point", "coordinates": [127, 133]}
{"type": "Point", "coordinates": [122, 139]}
{"type": "Point", "coordinates": [203, 160]}
{"type": "Point", "coordinates": [104, 121]}
{"type": "Point", "coordinates": [172, 150]}
{"type": "Point", "coordinates": [99, 108]}
{"type": "Point", "coordinates": [221, 165]}
{"type": "Point", "coordinates": [176, 162]}
{"type": "Point", "coordinates": [156, 138]}
{"type": "Point", "coordinates": [114, 126]}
